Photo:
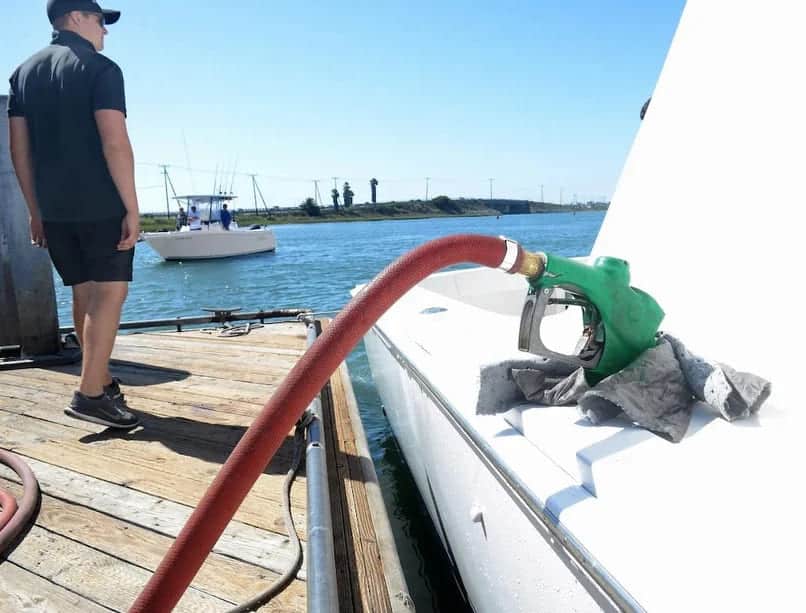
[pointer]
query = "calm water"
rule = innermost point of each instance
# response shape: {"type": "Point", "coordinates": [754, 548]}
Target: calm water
{"type": "Point", "coordinates": [315, 267]}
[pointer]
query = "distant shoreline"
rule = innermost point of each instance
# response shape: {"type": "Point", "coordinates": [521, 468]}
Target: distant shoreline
{"type": "Point", "coordinates": [441, 206]}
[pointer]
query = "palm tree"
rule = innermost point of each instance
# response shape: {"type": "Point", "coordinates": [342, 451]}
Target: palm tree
{"type": "Point", "coordinates": [373, 184]}
{"type": "Point", "coordinates": [348, 195]}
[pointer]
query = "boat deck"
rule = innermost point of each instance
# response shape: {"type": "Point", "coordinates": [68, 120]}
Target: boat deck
{"type": "Point", "coordinates": [112, 502]}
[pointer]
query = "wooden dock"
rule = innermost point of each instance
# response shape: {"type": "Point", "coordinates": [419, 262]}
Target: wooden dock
{"type": "Point", "coordinates": [113, 502]}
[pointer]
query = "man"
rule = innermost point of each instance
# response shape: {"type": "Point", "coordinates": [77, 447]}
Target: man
{"type": "Point", "coordinates": [75, 166]}
{"type": "Point", "coordinates": [181, 218]}
{"type": "Point", "coordinates": [194, 219]}
{"type": "Point", "coordinates": [226, 217]}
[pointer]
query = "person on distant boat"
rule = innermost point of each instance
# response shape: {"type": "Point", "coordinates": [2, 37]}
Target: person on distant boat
{"type": "Point", "coordinates": [226, 217]}
{"type": "Point", "coordinates": [194, 219]}
{"type": "Point", "coordinates": [181, 218]}
{"type": "Point", "coordinates": [74, 163]}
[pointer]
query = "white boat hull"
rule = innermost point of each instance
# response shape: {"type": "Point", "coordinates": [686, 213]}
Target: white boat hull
{"type": "Point", "coordinates": [703, 212]}
{"type": "Point", "coordinates": [504, 552]}
{"type": "Point", "coordinates": [210, 243]}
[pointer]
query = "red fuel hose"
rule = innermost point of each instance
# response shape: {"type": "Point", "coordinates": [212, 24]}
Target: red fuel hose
{"type": "Point", "coordinates": [260, 442]}
{"type": "Point", "coordinates": [8, 506]}
{"type": "Point", "coordinates": [27, 505]}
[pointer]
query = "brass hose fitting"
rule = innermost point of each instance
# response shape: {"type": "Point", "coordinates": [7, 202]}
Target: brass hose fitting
{"type": "Point", "coordinates": [531, 264]}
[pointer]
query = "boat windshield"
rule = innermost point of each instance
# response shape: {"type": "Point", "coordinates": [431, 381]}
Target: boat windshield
{"type": "Point", "coordinates": [207, 205]}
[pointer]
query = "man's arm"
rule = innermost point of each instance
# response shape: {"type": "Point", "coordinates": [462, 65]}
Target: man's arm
{"type": "Point", "coordinates": [20, 146]}
{"type": "Point", "coordinates": [120, 160]}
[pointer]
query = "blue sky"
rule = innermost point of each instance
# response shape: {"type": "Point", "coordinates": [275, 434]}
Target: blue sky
{"type": "Point", "coordinates": [527, 93]}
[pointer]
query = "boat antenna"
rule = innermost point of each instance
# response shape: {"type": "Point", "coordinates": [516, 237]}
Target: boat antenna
{"type": "Point", "coordinates": [223, 180]}
{"type": "Point", "coordinates": [187, 161]}
{"type": "Point", "coordinates": [232, 181]}
{"type": "Point", "coordinates": [215, 178]}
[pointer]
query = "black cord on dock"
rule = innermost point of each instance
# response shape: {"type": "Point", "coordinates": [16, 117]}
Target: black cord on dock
{"type": "Point", "coordinates": [282, 582]}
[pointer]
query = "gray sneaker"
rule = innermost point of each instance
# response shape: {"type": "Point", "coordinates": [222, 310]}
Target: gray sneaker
{"type": "Point", "coordinates": [102, 411]}
{"type": "Point", "coordinates": [113, 391]}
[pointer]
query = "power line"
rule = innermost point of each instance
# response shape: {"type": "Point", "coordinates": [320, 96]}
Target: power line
{"type": "Point", "coordinates": [460, 187]}
{"type": "Point", "coordinates": [218, 170]}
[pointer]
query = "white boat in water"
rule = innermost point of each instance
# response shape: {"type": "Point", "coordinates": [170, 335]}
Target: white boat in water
{"type": "Point", "coordinates": [542, 511]}
{"type": "Point", "coordinates": [208, 239]}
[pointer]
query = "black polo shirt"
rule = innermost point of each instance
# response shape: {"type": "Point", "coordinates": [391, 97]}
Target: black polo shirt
{"type": "Point", "coordinates": [58, 90]}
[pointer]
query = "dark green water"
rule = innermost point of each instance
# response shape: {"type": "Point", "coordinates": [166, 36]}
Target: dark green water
{"type": "Point", "coordinates": [315, 267]}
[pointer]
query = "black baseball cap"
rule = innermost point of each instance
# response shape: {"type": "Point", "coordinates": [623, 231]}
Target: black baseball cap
{"type": "Point", "coordinates": [57, 8]}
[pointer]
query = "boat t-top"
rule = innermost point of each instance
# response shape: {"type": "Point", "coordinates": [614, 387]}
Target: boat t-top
{"type": "Point", "coordinates": [203, 236]}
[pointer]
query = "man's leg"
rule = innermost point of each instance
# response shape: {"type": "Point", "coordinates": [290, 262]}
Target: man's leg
{"type": "Point", "coordinates": [81, 300]}
{"type": "Point", "coordinates": [101, 321]}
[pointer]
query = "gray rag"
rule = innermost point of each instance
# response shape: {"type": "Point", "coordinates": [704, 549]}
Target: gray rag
{"type": "Point", "coordinates": [656, 391]}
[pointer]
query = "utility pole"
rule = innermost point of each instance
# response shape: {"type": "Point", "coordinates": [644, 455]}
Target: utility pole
{"type": "Point", "coordinates": [427, 180]}
{"type": "Point", "coordinates": [541, 193]}
{"type": "Point", "coordinates": [561, 196]}
{"type": "Point", "coordinates": [256, 189]}
{"type": "Point", "coordinates": [254, 192]}
{"type": "Point", "coordinates": [165, 181]}
{"type": "Point", "coordinates": [316, 195]}
{"type": "Point", "coordinates": [491, 188]}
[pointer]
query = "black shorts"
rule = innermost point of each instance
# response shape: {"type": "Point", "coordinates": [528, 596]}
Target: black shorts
{"type": "Point", "coordinates": [88, 251]}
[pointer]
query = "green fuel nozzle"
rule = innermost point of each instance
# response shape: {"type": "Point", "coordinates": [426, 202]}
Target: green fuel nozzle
{"type": "Point", "coordinates": [619, 321]}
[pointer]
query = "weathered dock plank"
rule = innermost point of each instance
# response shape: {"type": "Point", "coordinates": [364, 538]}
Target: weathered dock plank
{"type": "Point", "coordinates": [221, 576]}
{"type": "Point", "coordinates": [366, 567]}
{"type": "Point", "coordinates": [140, 462]}
{"type": "Point", "coordinates": [22, 590]}
{"type": "Point", "coordinates": [262, 548]}
{"type": "Point", "coordinates": [114, 502]}
{"type": "Point", "coordinates": [101, 578]}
